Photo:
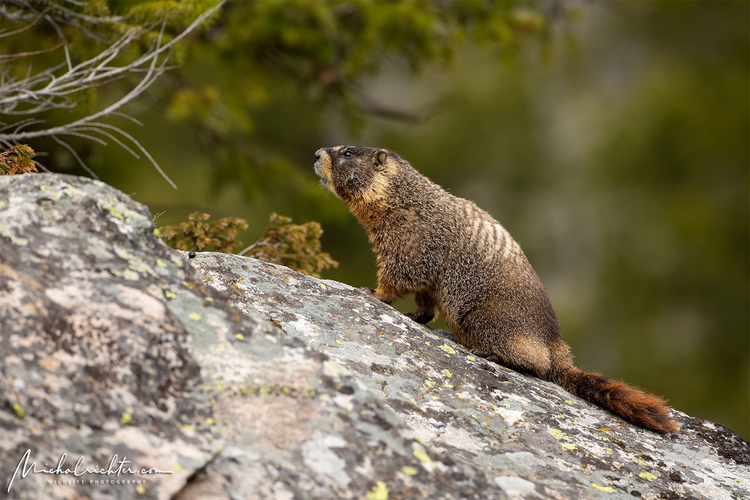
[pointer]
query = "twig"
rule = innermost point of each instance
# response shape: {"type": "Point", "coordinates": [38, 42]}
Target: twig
{"type": "Point", "coordinates": [254, 245]}
{"type": "Point", "coordinates": [75, 155]}
{"type": "Point", "coordinates": [52, 88]}
{"type": "Point", "coordinates": [19, 55]}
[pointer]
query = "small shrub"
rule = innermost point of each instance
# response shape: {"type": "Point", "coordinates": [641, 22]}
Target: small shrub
{"type": "Point", "coordinates": [200, 235]}
{"type": "Point", "coordinates": [296, 246]}
{"type": "Point", "coordinates": [17, 160]}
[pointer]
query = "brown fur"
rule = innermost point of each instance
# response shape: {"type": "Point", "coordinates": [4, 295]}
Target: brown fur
{"type": "Point", "coordinates": [456, 259]}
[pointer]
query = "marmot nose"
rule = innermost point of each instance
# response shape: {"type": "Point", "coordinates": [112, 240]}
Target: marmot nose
{"type": "Point", "coordinates": [318, 153]}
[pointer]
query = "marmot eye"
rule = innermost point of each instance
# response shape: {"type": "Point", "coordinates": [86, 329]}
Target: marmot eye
{"type": "Point", "coordinates": [347, 154]}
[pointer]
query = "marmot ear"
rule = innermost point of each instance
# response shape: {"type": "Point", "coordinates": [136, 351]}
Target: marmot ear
{"type": "Point", "coordinates": [379, 157]}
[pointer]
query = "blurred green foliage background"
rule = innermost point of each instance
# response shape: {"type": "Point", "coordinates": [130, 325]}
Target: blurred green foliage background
{"type": "Point", "coordinates": [611, 139]}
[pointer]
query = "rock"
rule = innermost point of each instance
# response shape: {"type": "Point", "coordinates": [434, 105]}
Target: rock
{"type": "Point", "coordinates": [227, 377]}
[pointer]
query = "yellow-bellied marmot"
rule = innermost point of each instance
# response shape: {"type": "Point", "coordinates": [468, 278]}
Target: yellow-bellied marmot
{"type": "Point", "coordinates": [455, 257]}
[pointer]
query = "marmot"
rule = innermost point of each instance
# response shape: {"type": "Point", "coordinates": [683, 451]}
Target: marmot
{"type": "Point", "coordinates": [455, 257]}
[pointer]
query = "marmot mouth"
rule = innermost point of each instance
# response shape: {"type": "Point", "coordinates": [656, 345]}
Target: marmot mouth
{"type": "Point", "coordinates": [318, 169]}
{"type": "Point", "coordinates": [324, 180]}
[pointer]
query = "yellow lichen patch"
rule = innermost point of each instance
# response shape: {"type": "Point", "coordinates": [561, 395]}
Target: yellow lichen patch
{"type": "Point", "coordinates": [51, 191]}
{"type": "Point", "coordinates": [160, 262]}
{"type": "Point", "coordinates": [420, 453]}
{"type": "Point", "coordinates": [128, 274]}
{"type": "Point", "coordinates": [607, 489]}
{"type": "Point", "coordinates": [239, 336]}
{"type": "Point", "coordinates": [559, 435]}
{"type": "Point", "coordinates": [115, 212]}
{"type": "Point", "coordinates": [647, 476]}
{"type": "Point", "coordinates": [19, 410]}
{"type": "Point", "coordinates": [640, 462]}
{"type": "Point", "coordinates": [409, 471]}
{"type": "Point", "coordinates": [378, 492]}
{"type": "Point", "coordinates": [169, 295]}
{"type": "Point", "coordinates": [409, 397]}
{"type": "Point", "coordinates": [448, 349]}
{"type": "Point", "coordinates": [447, 373]}
{"type": "Point", "coordinates": [194, 316]}
{"type": "Point", "coordinates": [140, 489]}
{"type": "Point", "coordinates": [126, 418]}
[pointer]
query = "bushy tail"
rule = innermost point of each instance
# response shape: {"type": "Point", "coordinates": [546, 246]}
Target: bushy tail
{"type": "Point", "coordinates": [633, 405]}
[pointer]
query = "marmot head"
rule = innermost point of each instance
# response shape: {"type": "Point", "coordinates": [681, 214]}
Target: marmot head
{"type": "Point", "coordinates": [356, 174]}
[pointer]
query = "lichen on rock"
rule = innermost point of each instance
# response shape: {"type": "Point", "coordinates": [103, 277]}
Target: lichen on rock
{"type": "Point", "coordinates": [236, 378]}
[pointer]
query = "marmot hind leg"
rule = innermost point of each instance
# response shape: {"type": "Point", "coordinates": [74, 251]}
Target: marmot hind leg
{"type": "Point", "coordinates": [498, 339]}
